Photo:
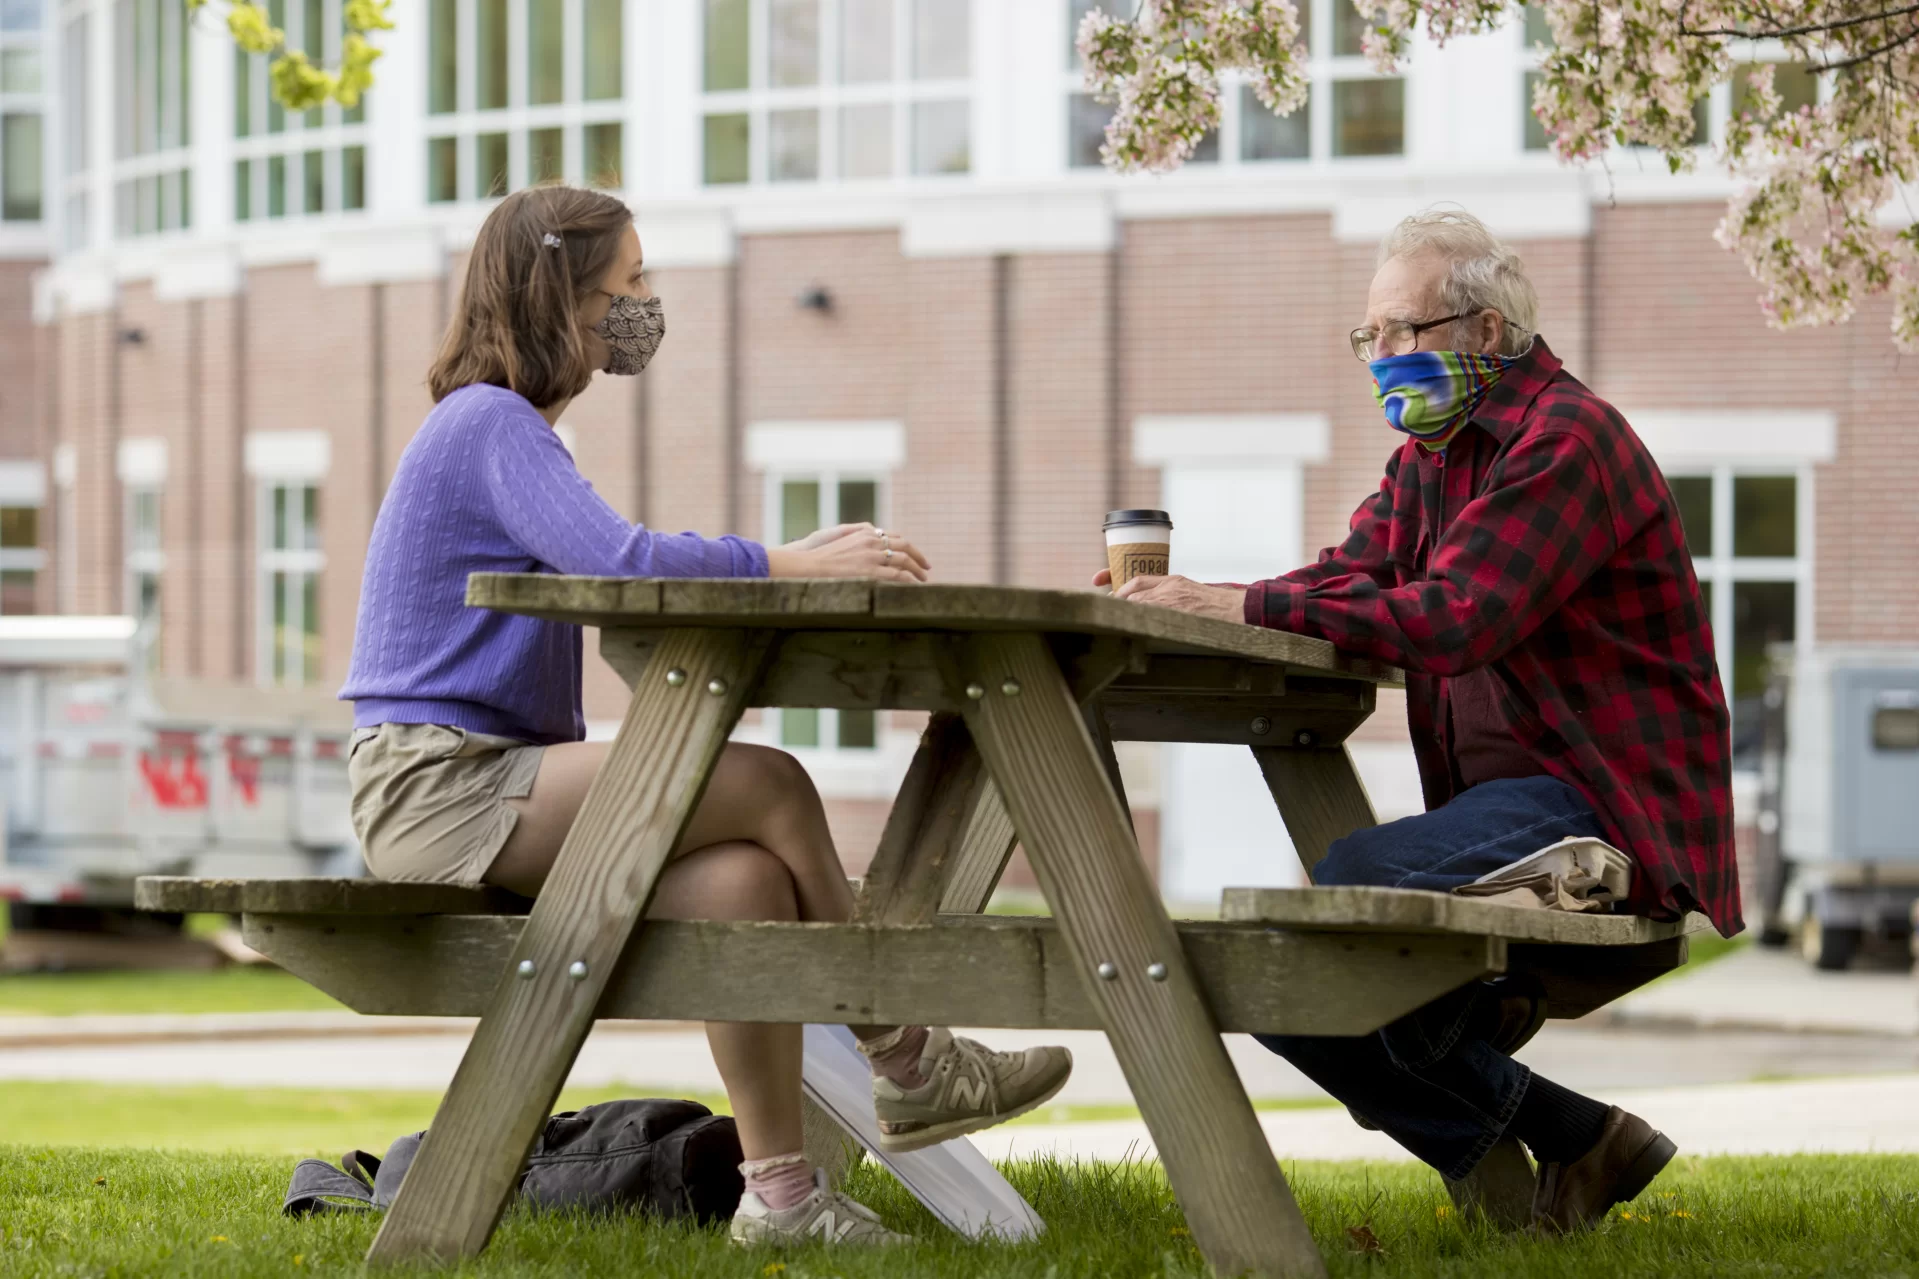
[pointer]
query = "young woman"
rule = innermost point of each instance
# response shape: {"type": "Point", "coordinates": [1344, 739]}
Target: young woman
{"type": "Point", "coordinates": [468, 764]}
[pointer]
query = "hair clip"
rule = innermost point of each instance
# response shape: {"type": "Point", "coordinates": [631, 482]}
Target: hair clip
{"type": "Point", "coordinates": [550, 240]}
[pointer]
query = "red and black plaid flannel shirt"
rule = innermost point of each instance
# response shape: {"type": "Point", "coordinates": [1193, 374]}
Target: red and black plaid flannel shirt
{"type": "Point", "coordinates": [1564, 570]}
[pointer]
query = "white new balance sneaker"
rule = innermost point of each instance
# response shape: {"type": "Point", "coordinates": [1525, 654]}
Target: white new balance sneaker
{"type": "Point", "coordinates": [968, 1087]}
{"type": "Point", "coordinates": [825, 1214]}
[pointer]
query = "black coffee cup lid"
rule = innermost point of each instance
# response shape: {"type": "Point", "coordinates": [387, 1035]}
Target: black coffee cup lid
{"type": "Point", "coordinates": [1117, 519]}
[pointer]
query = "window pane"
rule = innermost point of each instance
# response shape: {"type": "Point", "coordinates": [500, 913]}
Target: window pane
{"type": "Point", "coordinates": [310, 637]}
{"type": "Point", "coordinates": [242, 94]}
{"type": "Point", "coordinates": [19, 71]}
{"type": "Point", "coordinates": [942, 39]}
{"type": "Point", "coordinates": [859, 502]}
{"type": "Point", "coordinates": [799, 726]}
{"type": "Point", "coordinates": [490, 83]}
{"type": "Point", "coordinates": [1762, 614]}
{"type": "Point", "coordinates": [858, 730]}
{"type": "Point", "coordinates": [726, 46]}
{"type": "Point", "coordinates": [544, 156]}
{"type": "Point", "coordinates": [19, 527]}
{"type": "Point", "coordinates": [489, 156]}
{"type": "Point", "coordinates": [353, 178]}
{"type": "Point", "coordinates": [605, 49]}
{"type": "Point", "coordinates": [799, 509]}
{"type": "Point", "coordinates": [866, 41]}
{"type": "Point", "coordinates": [1349, 28]}
{"type": "Point", "coordinates": [1369, 117]}
{"type": "Point", "coordinates": [1796, 86]}
{"type": "Point", "coordinates": [315, 182]}
{"type": "Point", "coordinates": [74, 91]}
{"type": "Point", "coordinates": [1538, 33]}
{"type": "Point", "coordinates": [1265, 136]}
{"type": "Point", "coordinates": [310, 518]}
{"type": "Point", "coordinates": [17, 591]}
{"type": "Point", "coordinates": [1076, 11]}
{"type": "Point", "coordinates": [1085, 130]}
{"type": "Point", "coordinates": [442, 170]}
{"type": "Point", "coordinates": [20, 154]}
{"type": "Point", "coordinates": [793, 42]}
{"type": "Point", "coordinates": [1764, 508]}
{"type": "Point", "coordinates": [145, 531]}
{"type": "Point", "coordinates": [1536, 138]}
{"type": "Point", "coordinates": [866, 141]}
{"type": "Point", "coordinates": [171, 201]}
{"type": "Point", "coordinates": [726, 148]}
{"type": "Point", "coordinates": [242, 190]}
{"type": "Point", "coordinates": [276, 186]}
{"type": "Point", "coordinates": [313, 41]}
{"type": "Point", "coordinates": [602, 151]}
{"type": "Point", "coordinates": [793, 146]}
{"type": "Point", "coordinates": [20, 15]}
{"type": "Point", "coordinates": [277, 592]}
{"type": "Point", "coordinates": [545, 51]}
{"type": "Point", "coordinates": [443, 58]}
{"type": "Point", "coordinates": [1693, 493]}
{"type": "Point", "coordinates": [942, 136]}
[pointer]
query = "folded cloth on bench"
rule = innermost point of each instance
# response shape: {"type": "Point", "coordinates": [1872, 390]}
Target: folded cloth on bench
{"type": "Point", "coordinates": [1578, 873]}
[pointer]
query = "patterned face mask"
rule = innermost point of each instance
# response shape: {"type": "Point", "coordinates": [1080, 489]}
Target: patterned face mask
{"type": "Point", "coordinates": [1431, 394]}
{"type": "Point", "coordinates": [632, 331]}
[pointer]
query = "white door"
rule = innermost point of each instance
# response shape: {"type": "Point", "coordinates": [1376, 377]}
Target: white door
{"type": "Point", "coordinates": [1218, 825]}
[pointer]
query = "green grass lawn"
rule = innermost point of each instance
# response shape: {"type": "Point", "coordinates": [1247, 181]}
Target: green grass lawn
{"type": "Point", "coordinates": [308, 1121]}
{"type": "Point", "coordinates": [133, 1213]}
{"type": "Point", "coordinates": [238, 989]}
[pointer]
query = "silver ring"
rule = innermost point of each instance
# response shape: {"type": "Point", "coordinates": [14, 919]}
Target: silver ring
{"type": "Point", "coordinates": [888, 557]}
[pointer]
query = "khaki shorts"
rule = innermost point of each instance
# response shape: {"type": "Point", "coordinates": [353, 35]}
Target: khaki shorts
{"type": "Point", "coordinates": [430, 802]}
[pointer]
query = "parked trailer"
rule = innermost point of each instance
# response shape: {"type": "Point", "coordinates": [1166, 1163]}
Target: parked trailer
{"type": "Point", "coordinates": [107, 774]}
{"type": "Point", "coordinates": [1839, 801]}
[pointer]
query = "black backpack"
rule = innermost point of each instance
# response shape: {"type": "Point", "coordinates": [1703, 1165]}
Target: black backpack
{"type": "Point", "coordinates": [669, 1158]}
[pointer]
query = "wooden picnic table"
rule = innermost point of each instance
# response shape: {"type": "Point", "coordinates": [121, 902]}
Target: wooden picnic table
{"type": "Point", "coordinates": [1028, 689]}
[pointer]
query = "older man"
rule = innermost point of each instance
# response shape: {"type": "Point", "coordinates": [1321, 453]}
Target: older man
{"type": "Point", "coordinates": [1523, 560]}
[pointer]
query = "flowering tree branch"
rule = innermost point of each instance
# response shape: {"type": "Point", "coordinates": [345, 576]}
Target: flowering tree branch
{"type": "Point", "coordinates": [1819, 222]}
{"type": "Point", "coordinates": [297, 83]}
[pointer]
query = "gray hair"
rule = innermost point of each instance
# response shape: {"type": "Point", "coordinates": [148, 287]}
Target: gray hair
{"type": "Point", "coordinates": [1484, 274]}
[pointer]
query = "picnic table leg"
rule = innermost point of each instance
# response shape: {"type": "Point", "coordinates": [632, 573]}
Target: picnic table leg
{"type": "Point", "coordinates": [1322, 799]}
{"type": "Point", "coordinates": [926, 831]}
{"type": "Point", "coordinates": [592, 904]}
{"type": "Point", "coordinates": [1241, 1212]}
{"type": "Point", "coordinates": [1319, 794]}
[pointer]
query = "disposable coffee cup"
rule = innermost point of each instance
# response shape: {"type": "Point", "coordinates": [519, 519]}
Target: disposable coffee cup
{"type": "Point", "coordinates": [1138, 544]}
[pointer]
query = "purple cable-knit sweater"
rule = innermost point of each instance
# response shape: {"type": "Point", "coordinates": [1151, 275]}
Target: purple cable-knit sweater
{"type": "Point", "coordinates": [487, 487]}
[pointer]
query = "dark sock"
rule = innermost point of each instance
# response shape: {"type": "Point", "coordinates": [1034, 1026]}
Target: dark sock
{"type": "Point", "coordinates": [1557, 1124]}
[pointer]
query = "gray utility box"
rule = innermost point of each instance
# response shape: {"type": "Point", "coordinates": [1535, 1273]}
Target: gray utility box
{"type": "Point", "coordinates": [1844, 792]}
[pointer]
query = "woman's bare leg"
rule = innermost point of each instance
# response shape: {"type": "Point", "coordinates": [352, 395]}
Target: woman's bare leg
{"type": "Point", "coordinates": [759, 1063]}
{"type": "Point", "coordinates": [756, 794]}
{"type": "Point", "coordinates": [719, 871]}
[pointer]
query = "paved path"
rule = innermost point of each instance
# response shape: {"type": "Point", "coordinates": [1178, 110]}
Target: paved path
{"type": "Point", "coordinates": [1812, 1116]}
{"type": "Point", "coordinates": [1776, 989]}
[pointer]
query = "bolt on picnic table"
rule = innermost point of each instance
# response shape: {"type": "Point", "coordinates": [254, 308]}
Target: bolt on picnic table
{"type": "Point", "coordinates": [1029, 689]}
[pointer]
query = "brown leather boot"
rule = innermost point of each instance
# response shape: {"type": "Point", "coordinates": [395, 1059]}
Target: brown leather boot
{"type": "Point", "coordinates": [1623, 1162]}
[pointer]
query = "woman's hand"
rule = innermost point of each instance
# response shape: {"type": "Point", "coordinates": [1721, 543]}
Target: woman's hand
{"type": "Point", "coordinates": [849, 550]}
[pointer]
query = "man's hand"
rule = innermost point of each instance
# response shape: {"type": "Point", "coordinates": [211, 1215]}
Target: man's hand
{"type": "Point", "coordinates": [1227, 603]}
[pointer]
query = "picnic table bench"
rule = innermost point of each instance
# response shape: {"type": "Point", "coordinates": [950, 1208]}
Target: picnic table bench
{"type": "Point", "coordinates": [1028, 689]}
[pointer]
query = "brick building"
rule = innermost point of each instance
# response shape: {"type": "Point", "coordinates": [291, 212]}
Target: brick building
{"type": "Point", "coordinates": [897, 286]}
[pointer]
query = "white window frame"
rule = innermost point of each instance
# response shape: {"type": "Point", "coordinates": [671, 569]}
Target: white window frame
{"type": "Point", "coordinates": [571, 115]}
{"type": "Point", "coordinates": [331, 137]}
{"type": "Point", "coordinates": [1324, 70]}
{"type": "Point", "coordinates": [829, 479]}
{"type": "Point", "coordinates": [1724, 446]}
{"type": "Point", "coordinates": [130, 165]}
{"type": "Point", "coordinates": [296, 563]}
{"type": "Point", "coordinates": [828, 96]}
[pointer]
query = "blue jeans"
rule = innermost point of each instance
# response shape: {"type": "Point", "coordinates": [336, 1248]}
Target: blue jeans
{"type": "Point", "coordinates": [1430, 1080]}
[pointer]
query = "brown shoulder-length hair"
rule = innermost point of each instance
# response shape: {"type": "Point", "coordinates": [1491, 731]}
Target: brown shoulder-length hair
{"type": "Point", "coordinates": [516, 324]}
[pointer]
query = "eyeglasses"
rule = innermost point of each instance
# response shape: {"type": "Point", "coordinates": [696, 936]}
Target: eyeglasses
{"type": "Point", "coordinates": [1396, 338]}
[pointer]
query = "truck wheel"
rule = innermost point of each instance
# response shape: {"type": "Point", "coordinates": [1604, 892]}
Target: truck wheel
{"type": "Point", "coordinates": [1829, 947]}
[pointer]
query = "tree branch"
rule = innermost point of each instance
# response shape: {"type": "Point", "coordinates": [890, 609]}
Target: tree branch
{"type": "Point", "coordinates": [1781, 33]}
